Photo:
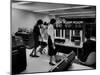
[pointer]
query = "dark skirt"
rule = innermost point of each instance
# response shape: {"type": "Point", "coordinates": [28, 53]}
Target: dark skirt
{"type": "Point", "coordinates": [52, 51]}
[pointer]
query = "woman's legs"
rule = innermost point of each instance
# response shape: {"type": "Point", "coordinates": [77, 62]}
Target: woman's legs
{"type": "Point", "coordinates": [51, 61]}
{"type": "Point", "coordinates": [34, 51]}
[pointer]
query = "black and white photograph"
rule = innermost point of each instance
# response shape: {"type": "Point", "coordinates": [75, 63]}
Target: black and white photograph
{"type": "Point", "coordinates": [52, 37]}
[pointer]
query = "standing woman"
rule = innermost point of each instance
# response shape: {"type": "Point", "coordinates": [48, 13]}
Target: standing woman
{"type": "Point", "coordinates": [51, 45]}
{"type": "Point", "coordinates": [44, 37]}
{"type": "Point", "coordinates": [36, 35]}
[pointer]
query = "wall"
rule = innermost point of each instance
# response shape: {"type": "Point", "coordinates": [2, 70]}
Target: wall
{"type": "Point", "coordinates": [26, 19]}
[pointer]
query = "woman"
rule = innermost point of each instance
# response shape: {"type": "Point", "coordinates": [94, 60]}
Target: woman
{"type": "Point", "coordinates": [44, 37]}
{"type": "Point", "coordinates": [36, 35]}
{"type": "Point", "coordinates": [51, 45]}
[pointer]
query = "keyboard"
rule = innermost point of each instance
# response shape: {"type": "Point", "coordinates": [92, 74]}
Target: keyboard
{"type": "Point", "coordinates": [64, 64]}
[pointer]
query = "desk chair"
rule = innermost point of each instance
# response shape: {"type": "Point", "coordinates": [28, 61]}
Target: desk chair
{"type": "Point", "coordinates": [91, 60]}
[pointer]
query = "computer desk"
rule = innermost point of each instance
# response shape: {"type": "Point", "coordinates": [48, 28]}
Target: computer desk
{"type": "Point", "coordinates": [71, 46]}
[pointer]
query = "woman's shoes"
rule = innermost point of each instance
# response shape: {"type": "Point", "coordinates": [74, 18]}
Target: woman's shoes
{"type": "Point", "coordinates": [34, 55]}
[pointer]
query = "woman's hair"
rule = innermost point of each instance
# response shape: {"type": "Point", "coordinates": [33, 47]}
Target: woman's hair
{"type": "Point", "coordinates": [39, 22]}
{"type": "Point", "coordinates": [52, 21]}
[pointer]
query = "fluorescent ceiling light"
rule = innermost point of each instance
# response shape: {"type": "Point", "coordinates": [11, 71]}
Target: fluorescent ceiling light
{"type": "Point", "coordinates": [22, 2]}
{"type": "Point", "coordinates": [61, 8]}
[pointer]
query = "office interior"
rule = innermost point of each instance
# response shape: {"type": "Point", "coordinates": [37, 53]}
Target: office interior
{"type": "Point", "coordinates": [73, 23]}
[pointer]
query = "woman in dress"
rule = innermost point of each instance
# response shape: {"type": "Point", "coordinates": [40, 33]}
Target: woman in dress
{"type": "Point", "coordinates": [36, 35]}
